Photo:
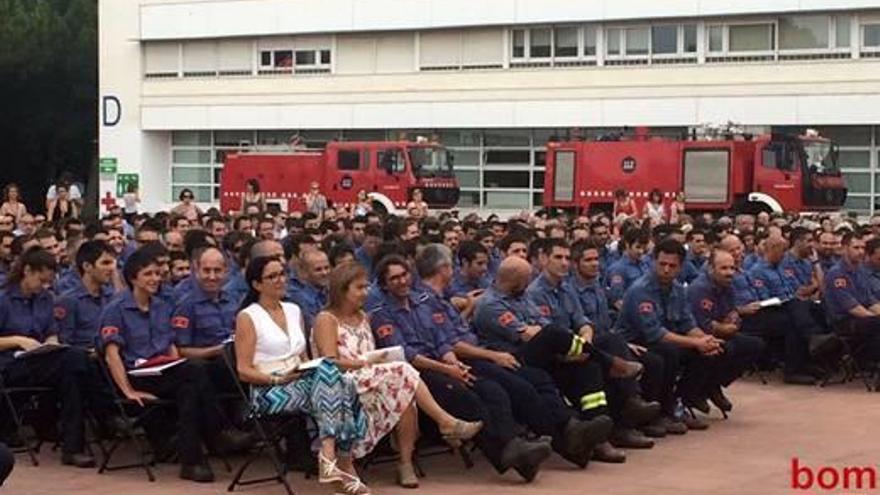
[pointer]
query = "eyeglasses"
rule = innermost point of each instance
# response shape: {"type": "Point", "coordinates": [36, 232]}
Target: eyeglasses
{"type": "Point", "coordinates": [398, 278]}
{"type": "Point", "coordinates": [274, 277]}
{"type": "Point", "coordinates": [188, 196]}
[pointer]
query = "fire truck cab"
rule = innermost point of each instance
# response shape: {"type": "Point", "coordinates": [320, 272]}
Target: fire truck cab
{"type": "Point", "coordinates": [389, 171]}
{"type": "Point", "coordinates": [773, 173]}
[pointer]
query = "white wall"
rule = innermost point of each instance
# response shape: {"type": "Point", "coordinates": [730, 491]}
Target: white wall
{"type": "Point", "coordinates": [221, 18]}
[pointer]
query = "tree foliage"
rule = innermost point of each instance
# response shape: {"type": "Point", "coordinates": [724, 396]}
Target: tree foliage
{"type": "Point", "coordinates": [48, 92]}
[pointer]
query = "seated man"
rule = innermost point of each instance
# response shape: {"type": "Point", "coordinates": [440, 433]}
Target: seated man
{"type": "Point", "coordinates": [78, 309]}
{"type": "Point", "coordinates": [26, 322]}
{"type": "Point", "coordinates": [451, 382]}
{"type": "Point", "coordinates": [309, 289]}
{"type": "Point", "coordinates": [655, 315]}
{"type": "Point", "coordinates": [628, 268]}
{"type": "Point", "coordinates": [712, 302]}
{"type": "Point", "coordinates": [136, 331]}
{"type": "Point", "coordinates": [853, 310]}
{"type": "Point", "coordinates": [556, 298]}
{"type": "Point", "coordinates": [798, 267]}
{"type": "Point", "coordinates": [534, 397]}
{"type": "Point", "coordinates": [472, 277]}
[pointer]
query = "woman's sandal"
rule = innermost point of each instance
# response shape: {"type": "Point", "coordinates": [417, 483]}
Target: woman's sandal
{"type": "Point", "coordinates": [352, 485]}
{"type": "Point", "coordinates": [462, 431]}
{"type": "Point", "coordinates": [328, 471]}
{"type": "Point", "coordinates": [406, 476]}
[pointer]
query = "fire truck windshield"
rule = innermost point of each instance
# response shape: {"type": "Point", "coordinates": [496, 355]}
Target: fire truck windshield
{"type": "Point", "coordinates": [431, 162]}
{"type": "Point", "coordinates": [821, 156]}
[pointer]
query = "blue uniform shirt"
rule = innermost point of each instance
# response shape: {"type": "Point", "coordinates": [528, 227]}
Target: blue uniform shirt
{"type": "Point", "coordinates": [650, 311]}
{"type": "Point", "coordinates": [236, 286]}
{"type": "Point", "coordinates": [397, 324]}
{"type": "Point", "coordinates": [79, 312]}
{"type": "Point", "coordinates": [621, 275]}
{"type": "Point", "coordinates": [828, 262]}
{"type": "Point", "coordinates": [771, 281]}
{"type": "Point", "coordinates": [140, 335]}
{"type": "Point", "coordinates": [166, 293]}
{"type": "Point", "coordinates": [750, 260]}
{"type": "Point", "coordinates": [710, 301]}
{"type": "Point", "coordinates": [310, 299]}
{"type": "Point", "coordinates": [560, 304]}
{"type": "Point", "coordinates": [797, 271]}
{"type": "Point", "coordinates": [846, 287]}
{"type": "Point", "coordinates": [873, 279]}
{"type": "Point", "coordinates": [593, 301]}
{"type": "Point", "coordinates": [184, 286]}
{"type": "Point", "coordinates": [439, 315]}
{"type": "Point", "coordinates": [364, 259]}
{"type": "Point", "coordinates": [32, 317]}
{"type": "Point", "coordinates": [200, 320]}
{"type": "Point", "coordinates": [743, 291]}
{"type": "Point", "coordinates": [499, 318]}
{"type": "Point", "coordinates": [461, 285]}
{"type": "Point", "coordinates": [692, 268]}
{"type": "Point", "coordinates": [67, 279]}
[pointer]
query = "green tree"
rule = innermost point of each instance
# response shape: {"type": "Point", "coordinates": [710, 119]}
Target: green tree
{"type": "Point", "coordinates": [48, 92]}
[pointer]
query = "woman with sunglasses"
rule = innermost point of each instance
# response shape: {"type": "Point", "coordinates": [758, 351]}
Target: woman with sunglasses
{"type": "Point", "coordinates": [270, 345]}
{"type": "Point", "coordinates": [187, 207]}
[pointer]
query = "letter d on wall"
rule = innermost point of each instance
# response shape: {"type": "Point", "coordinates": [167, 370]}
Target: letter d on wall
{"type": "Point", "coordinates": [112, 110]}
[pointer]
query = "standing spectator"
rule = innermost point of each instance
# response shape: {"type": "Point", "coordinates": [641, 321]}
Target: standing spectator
{"type": "Point", "coordinates": [624, 206]}
{"type": "Point", "coordinates": [654, 210]}
{"type": "Point", "coordinates": [187, 207]}
{"type": "Point", "coordinates": [67, 180]}
{"type": "Point", "coordinates": [12, 204]}
{"type": "Point", "coordinates": [676, 209]}
{"type": "Point", "coordinates": [363, 206]}
{"type": "Point", "coordinates": [417, 208]}
{"type": "Point", "coordinates": [253, 202]}
{"type": "Point", "coordinates": [62, 207]}
{"type": "Point", "coordinates": [130, 201]}
{"type": "Point", "coordinates": [315, 201]}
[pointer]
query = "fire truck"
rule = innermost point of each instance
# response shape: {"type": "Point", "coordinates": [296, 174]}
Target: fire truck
{"type": "Point", "coordinates": [726, 172]}
{"type": "Point", "coordinates": [389, 171]}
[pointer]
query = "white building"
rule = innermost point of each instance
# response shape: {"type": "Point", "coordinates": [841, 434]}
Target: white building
{"type": "Point", "coordinates": [182, 82]}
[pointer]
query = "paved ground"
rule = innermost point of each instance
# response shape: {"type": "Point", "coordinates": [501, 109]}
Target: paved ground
{"type": "Point", "coordinates": [750, 453]}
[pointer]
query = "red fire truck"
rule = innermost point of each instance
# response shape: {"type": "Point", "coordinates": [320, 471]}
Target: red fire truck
{"type": "Point", "coordinates": [388, 171]}
{"type": "Point", "coordinates": [740, 173]}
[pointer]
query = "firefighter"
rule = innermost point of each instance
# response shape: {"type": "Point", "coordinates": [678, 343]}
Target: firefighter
{"type": "Point", "coordinates": [396, 323]}
{"type": "Point", "coordinates": [535, 400]}
{"type": "Point", "coordinates": [871, 265]}
{"type": "Point", "coordinates": [309, 290]}
{"type": "Point", "coordinates": [629, 267]}
{"type": "Point", "coordinates": [79, 308]}
{"type": "Point", "coordinates": [585, 279]}
{"type": "Point", "coordinates": [656, 316]}
{"type": "Point", "coordinates": [712, 303]}
{"type": "Point", "coordinates": [799, 269]}
{"type": "Point", "coordinates": [853, 310]}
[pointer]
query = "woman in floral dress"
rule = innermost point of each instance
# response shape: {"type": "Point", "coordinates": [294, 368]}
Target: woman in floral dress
{"type": "Point", "coordinates": [388, 391]}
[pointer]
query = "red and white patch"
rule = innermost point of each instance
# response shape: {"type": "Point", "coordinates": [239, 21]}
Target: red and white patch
{"type": "Point", "coordinates": [384, 331]}
{"type": "Point", "coordinates": [439, 318]}
{"type": "Point", "coordinates": [646, 307]}
{"type": "Point", "coordinates": [180, 322]}
{"type": "Point", "coordinates": [617, 279]}
{"type": "Point", "coordinates": [59, 312]}
{"type": "Point", "coordinates": [506, 318]}
{"type": "Point", "coordinates": [789, 272]}
{"type": "Point", "coordinates": [107, 332]}
{"type": "Point", "coordinates": [544, 310]}
{"type": "Point", "coordinates": [707, 304]}
{"type": "Point", "coordinates": [840, 283]}
{"type": "Point", "coordinates": [758, 282]}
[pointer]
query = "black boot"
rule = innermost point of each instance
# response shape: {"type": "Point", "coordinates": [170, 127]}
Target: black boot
{"type": "Point", "coordinates": [524, 457]}
{"type": "Point", "coordinates": [200, 473]}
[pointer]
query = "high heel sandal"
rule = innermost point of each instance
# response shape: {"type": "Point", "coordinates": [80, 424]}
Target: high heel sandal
{"type": "Point", "coordinates": [462, 431]}
{"type": "Point", "coordinates": [352, 485]}
{"type": "Point", "coordinates": [328, 471]}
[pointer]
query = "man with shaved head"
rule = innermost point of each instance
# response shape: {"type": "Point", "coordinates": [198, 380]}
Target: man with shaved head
{"type": "Point", "coordinates": [711, 300]}
{"type": "Point", "coordinates": [309, 289]}
{"type": "Point", "coordinates": [508, 321]}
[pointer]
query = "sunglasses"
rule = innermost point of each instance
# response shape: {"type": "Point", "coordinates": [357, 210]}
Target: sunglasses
{"type": "Point", "coordinates": [188, 196]}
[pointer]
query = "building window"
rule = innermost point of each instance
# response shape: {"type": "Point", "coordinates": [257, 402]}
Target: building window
{"type": "Point", "coordinates": [612, 41]}
{"type": "Point", "coordinates": [716, 38]}
{"type": "Point", "coordinates": [804, 32]}
{"type": "Point", "coordinates": [637, 41]}
{"type": "Point", "coordinates": [664, 39]}
{"type": "Point", "coordinates": [751, 37]}
{"type": "Point", "coordinates": [871, 36]}
{"type": "Point", "coordinates": [565, 42]}
{"type": "Point", "coordinates": [539, 43]}
{"type": "Point", "coordinates": [690, 38]}
{"type": "Point", "coordinates": [519, 43]}
{"type": "Point", "coordinates": [560, 45]}
{"type": "Point", "coordinates": [661, 43]}
{"type": "Point", "coordinates": [590, 33]}
{"type": "Point", "coordinates": [842, 31]}
{"type": "Point", "coordinates": [276, 61]}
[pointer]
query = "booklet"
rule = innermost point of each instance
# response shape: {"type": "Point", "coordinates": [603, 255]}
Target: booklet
{"type": "Point", "coordinates": [40, 349]}
{"type": "Point", "coordinates": [309, 365]}
{"type": "Point", "coordinates": [385, 355]}
{"type": "Point", "coordinates": [155, 366]}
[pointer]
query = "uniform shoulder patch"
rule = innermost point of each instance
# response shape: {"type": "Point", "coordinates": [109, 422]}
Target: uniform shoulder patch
{"type": "Point", "coordinates": [108, 332]}
{"type": "Point", "coordinates": [439, 318]}
{"type": "Point", "coordinates": [707, 304]}
{"type": "Point", "coordinates": [789, 272]}
{"type": "Point", "coordinates": [757, 282]}
{"type": "Point", "coordinates": [59, 312]}
{"type": "Point", "coordinates": [181, 322]}
{"type": "Point", "coordinates": [544, 310]}
{"type": "Point", "coordinates": [506, 318]}
{"type": "Point", "coordinates": [384, 331]}
{"type": "Point", "coordinates": [646, 307]}
{"type": "Point", "coordinates": [840, 283]}
{"type": "Point", "coordinates": [617, 279]}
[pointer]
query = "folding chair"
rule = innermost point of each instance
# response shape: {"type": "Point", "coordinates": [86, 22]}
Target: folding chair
{"type": "Point", "coordinates": [31, 394]}
{"type": "Point", "coordinates": [135, 431]}
{"type": "Point", "coordinates": [269, 430]}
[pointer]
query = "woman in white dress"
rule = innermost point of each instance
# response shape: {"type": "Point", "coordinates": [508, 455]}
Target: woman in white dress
{"type": "Point", "coordinates": [388, 390]}
{"type": "Point", "coordinates": [655, 211]}
{"type": "Point", "coordinates": [269, 345]}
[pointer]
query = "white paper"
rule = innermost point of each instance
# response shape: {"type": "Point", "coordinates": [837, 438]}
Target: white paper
{"type": "Point", "coordinates": [773, 301]}
{"type": "Point", "coordinates": [40, 349]}
{"type": "Point", "coordinates": [155, 370]}
{"type": "Point", "coordinates": [385, 355]}
{"type": "Point", "coordinates": [310, 365]}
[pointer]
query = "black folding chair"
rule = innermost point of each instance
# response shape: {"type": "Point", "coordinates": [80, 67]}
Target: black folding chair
{"type": "Point", "coordinates": [28, 399]}
{"type": "Point", "coordinates": [269, 430]}
{"type": "Point", "coordinates": [135, 417]}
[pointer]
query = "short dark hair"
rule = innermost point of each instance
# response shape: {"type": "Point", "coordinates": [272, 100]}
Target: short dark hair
{"type": "Point", "coordinates": [35, 258]}
{"type": "Point", "coordinates": [872, 246]}
{"type": "Point", "coordinates": [635, 235]}
{"type": "Point", "coordinates": [468, 251]}
{"type": "Point", "coordinates": [553, 242]}
{"type": "Point", "coordinates": [294, 243]}
{"type": "Point", "coordinates": [139, 260]}
{"type": "Point", "coordinates": [797, 234]}
{"type": "Point", "coordinates": [670, 246]}
{"type": "Point", "coordinates": [580, 247]}
{"type": "Point", "coordinates": [89, 252]}
{"type": "Point", "coordinates": [508, 240]}
{"type": "Point", "coordinates": [373, 230]}
{"type": "Point", "coordinates": [338, 251]}
{"type": "Point", "coordinates": [195, 239]}
{"type": "Point", "coordinates": [850, 236]}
